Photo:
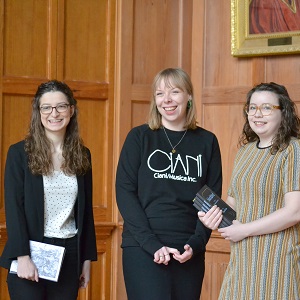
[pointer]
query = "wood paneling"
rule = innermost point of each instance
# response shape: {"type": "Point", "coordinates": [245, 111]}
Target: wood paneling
{"type": "Point", "coordinates": [108, 51]}
{"type": "Point", "coordinates": [215, 117]}
{"type": "Point", "coordinates": [165, 42]}
{"type": "Point", "coordinates": [85, 31]}
{"type": "Point", "coordinates": [24, 50]}
{"type": "Point", "coordinates": [216, 257]}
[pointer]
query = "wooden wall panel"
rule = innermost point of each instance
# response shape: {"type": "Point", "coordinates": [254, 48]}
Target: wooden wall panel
{"type": "Point", "coordinates": [93, 114]}
{"type": "Point", "coordinates": [3, 272]}
{"type": "Point", "coordinates": [140, 110]}
{"type": "Point", "coordinates": [29, 36]}
{"type": "Point", "coordinates": [285, 71]}
{"type": "Point", "coordinates": [85, 50]}
{"type": "Point", "coordinates": [221, 69]}
{"type": "Point", "coordinates": [164, 42]}
{"type": "Point", "coordinates": [225, 121]}
{"type": "Point", "coordinates": [120, 292]}
{"type": "Point", "coordinates": [217, 258]}
{"type": "Point", "coordinates": [15, 120]}
{"type": "Point", "coordinates": [74, 41]}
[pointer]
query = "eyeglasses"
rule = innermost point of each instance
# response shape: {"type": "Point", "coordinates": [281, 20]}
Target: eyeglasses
{"type": "Point", "coordinates": [47, 109]}
{"type": "Point", "coordinates": [265, 109]}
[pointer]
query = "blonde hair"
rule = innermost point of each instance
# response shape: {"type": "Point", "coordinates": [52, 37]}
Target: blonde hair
{"type": "Point", "coordinates": [172, 77]}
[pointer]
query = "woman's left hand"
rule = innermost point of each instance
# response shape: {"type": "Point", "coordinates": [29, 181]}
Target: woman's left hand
{"type": "Point", "coordinates": [185, 256]}
{"type": "Point", "coordinates": [234, 232]}
{"type": "Point", "coordinates": [85, 275]}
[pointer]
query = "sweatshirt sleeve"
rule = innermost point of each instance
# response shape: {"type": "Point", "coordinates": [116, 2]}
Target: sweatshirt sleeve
{"type": "Point", "coordinates": [127, 198]}
{"type": "Point", "coordinates": [214, 180]}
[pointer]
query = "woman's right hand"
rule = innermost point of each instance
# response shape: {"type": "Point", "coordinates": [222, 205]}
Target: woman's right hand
{"type": "Point", "coordinates": [27, 269]}
{"type": "Point", "coordinates": [163, 255]}
{"type": "Point", "coordinates": [212, 218]}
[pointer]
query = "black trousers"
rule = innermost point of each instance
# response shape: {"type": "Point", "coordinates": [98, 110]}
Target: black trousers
{"type": "Point", "coordinates": [146, 280]}
{"type": "Point", "coordinates": [65, 289]}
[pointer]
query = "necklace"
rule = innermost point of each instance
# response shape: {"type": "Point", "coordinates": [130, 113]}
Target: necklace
{"type": "Point", "coordinates": [173, 147]}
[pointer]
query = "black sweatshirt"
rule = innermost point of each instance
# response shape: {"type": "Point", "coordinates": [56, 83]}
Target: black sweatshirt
{"type": "Point", "coordinates": [155, 188]}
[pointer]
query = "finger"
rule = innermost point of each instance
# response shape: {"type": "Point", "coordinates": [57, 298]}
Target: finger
{"type": "Point", "coordinates": [173, 250]}
{"type": "Point", "coordinates": [161, 259]}
{"type": "Point", "coordinates": [36, 276]}
{"type": "Point", "coordinates": [218, 222]}
{"type": "Point", "coordinates": [187, 247]}
{"type": "Point", "coordinates": [84, 283]}
{"type": "Point", "coordinates": [156, 257]}
{"type": "Point", "coordinates": [167, 257]}
{"type": "Point", "coordinates": [214, 210]}
{"type": "Point", "coordinates": [164, 257]}
{"type": "Point", "coordinates": [157, 254]}
{"type": "Point", "coordinates": [181, 258]}
{"type": "Point", "coordinates": [225, 235]}
{"type": "Point", "coordinates": [210, 214]}
{"type": "Point", "coordinates": [214, 220]}
{"type": "Point", "coordinates": [177, 258]}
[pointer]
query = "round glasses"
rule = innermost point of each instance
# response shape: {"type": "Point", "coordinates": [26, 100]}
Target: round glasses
{"type": "Point", "coordinates": [265, 109]}
{"type": "Point", "coordinates": [47, 109]}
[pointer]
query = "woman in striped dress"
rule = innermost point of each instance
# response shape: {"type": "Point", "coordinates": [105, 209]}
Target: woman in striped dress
{"type": "Point", "coordinates": [265, 192]}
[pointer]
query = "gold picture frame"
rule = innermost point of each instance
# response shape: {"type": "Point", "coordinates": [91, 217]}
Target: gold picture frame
{"type": "Point", "coordinates": [244, 44]}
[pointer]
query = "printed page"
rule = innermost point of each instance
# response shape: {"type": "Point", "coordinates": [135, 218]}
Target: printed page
{"type": "Point", "coordinates": [47, 258]}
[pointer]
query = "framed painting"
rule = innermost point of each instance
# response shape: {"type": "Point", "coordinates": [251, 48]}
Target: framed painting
{"type": "Point", "coordinates": [265, 27]}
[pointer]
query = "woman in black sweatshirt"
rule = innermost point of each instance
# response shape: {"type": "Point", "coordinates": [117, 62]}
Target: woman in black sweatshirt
{"type": "Point", "coordinates": [163, 164]}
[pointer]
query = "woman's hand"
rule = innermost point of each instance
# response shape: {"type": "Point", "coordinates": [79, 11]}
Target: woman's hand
{"type": "Point", "coordinates": [185, 256]}
{"type": "Point", "coordinates": [163, 255]}
{"type": "Point", "coordinates": [234, 232]}
{"type": "Point", "coordinates": [27, 269]}
{"type": "Point", "coordinates": [212, 218]}
{"type": "Point", "coordinates": [85, 274]}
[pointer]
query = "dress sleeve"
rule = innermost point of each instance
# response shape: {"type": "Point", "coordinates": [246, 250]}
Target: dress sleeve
{"type": "Point", "coordinates": [291, 174]}
{"type": "Point", "coordinates": [127, 198]}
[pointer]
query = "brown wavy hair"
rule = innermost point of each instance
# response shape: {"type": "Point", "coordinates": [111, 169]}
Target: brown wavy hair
{"type": "Point", "coordinates": [290, 122]}
{"type": "Point", "coordinates": [173, 77]}
{"type": "Point", "coordinates": [38, 146]}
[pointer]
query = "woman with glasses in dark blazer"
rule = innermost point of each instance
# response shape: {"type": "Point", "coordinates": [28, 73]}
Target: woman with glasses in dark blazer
{"type": "Point", "coordinates": [48, 198]}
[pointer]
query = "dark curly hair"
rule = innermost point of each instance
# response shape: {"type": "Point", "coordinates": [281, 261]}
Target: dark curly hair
{"type": "Point", "coordinates": [38, 146]}
{"type": "Point", "coordinates": [290, 122]}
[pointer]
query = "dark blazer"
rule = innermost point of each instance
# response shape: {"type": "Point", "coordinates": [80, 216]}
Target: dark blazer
{"type": "Point", "coordinates": [24, 208]}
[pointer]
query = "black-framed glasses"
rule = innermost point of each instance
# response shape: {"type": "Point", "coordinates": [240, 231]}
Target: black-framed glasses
{"type": "Point", "coordinates": [60, 108]}
{"type": "Point", "coordinates": [265, 109]}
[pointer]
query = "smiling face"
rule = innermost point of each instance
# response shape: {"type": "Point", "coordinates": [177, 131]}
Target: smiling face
{"type": "Point", "coordinates": [55, 122]}
{"type": "Point", "coordinates": [171, 103]}
{"type": "Point", "coordinates": [266, 127]}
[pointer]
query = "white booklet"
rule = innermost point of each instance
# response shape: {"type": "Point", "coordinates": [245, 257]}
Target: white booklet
{"type": "Point", "coordinates": [47, 258]}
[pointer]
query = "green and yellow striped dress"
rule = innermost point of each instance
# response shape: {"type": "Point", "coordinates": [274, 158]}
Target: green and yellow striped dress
{"type": "Point", "coordinates": [265, 267]}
